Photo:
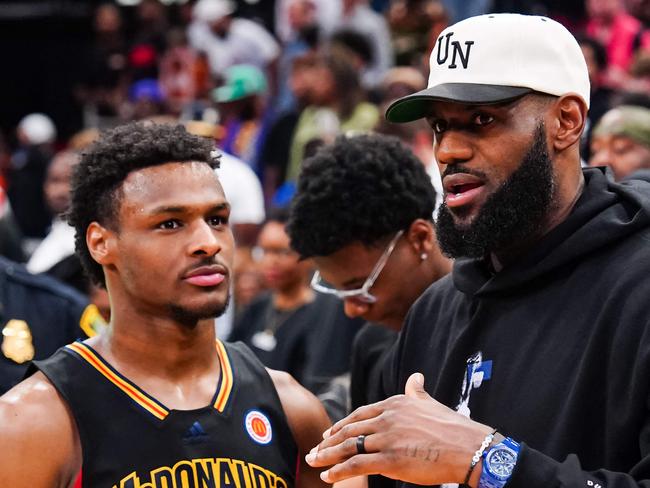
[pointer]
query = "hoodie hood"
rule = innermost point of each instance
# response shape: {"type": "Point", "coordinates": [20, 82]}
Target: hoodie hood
{"type": "Point", "coordinates": [606, 212]}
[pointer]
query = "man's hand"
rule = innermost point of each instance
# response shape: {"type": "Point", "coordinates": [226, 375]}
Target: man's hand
{"type": "Point", "coordinates": [409, 437]}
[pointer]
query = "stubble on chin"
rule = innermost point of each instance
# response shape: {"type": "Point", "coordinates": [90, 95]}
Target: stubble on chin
{"type": "Point", "coordinates": [190, 317]}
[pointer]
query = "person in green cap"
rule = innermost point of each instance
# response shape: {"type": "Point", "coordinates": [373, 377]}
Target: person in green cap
{"type": "Point", "coordinates": [621, 140]}
{"type": "Point", "coordinates": [244, 111]}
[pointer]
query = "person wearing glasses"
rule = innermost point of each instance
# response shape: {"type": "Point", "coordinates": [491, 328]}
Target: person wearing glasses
{"type": "Point", "coordinates": [363, 211]}
{"type": "Point", "coordinates": [292, 328]}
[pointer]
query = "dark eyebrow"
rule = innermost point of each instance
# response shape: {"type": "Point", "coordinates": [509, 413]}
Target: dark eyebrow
{"type": "Point", "coordinates": [179, 209]}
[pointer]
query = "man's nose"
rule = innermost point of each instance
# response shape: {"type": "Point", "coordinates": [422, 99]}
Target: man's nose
{"type": "Point", "coordinates": [205, 240]}
{"type": "Point", "coordinates": [453, 147]}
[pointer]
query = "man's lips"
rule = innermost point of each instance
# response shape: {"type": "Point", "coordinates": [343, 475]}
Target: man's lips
{"type": "Point", "coordinates": [461, 189]}
{"type": "Point", "coordinates": [206, 276]}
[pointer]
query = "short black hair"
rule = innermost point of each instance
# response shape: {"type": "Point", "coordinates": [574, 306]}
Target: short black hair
{"type": "Point", "coordinates": [359, 189]}
{"type": "Point", "coordinates": [355, 42]}
{"type": "Point", "coordinates": [97, 179]}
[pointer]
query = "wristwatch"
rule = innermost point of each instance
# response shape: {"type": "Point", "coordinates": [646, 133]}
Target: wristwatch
{"type": "Point", "coordinates": [498, 464]}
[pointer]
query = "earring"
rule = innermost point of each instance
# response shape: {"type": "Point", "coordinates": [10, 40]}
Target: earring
{"type": "Point", "coordinates": [423, 256]}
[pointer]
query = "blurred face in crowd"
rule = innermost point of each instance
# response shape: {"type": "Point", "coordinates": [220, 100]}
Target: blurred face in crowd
{"type": "Point", "coordinates": [621, 153]}
{"type": "Point", "coordinates": [248, 277]}
{"type": "Point", "coordinates": [606, 9]}
{"type": "Point", "coordinates": [57, 181]}
{"type": "Point", "coordinates": [171, 252]}
{"type": "Point", "coordinates": [107, 19]}
{"type": "Point", "coordinates": [301, 14]}
{"type": "Point", "coordinates": [323, 88]}
{"type": "Point", "coordinates": [280, 265]}
{"type": "Point", "coordinates": [497, 176]}
{"type": "Point", "coordinates": [151, 12]}
{"type": "Point", "coordinates": [312, 84]}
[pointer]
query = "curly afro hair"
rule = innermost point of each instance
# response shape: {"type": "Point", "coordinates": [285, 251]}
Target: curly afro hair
{"type": "Point", "coordinates": [97, 179]}
{"type": "Point", "coordinates": [358, 189]}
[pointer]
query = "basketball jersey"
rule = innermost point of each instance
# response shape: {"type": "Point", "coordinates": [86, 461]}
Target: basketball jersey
{"type": "Point", "coordinates": [131, 440]}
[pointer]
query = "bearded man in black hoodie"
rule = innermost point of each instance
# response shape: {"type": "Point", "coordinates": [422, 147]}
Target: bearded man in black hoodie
{"type": "Point", "coordinates": [529, 365]}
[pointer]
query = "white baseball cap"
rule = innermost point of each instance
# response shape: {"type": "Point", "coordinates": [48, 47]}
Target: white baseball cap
{"type": "Point", "coordinates": [213, 10]}
{"type": "Point", "coordinates": [498, 57]}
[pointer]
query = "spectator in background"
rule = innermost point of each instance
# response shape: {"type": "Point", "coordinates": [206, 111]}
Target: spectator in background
{"type": "Point", "coordinates": [327, 14]}
{"type": "Point", "coordinates": [303, 38]}
{"type": "Point", "coordinates": [355, 47]}
{"type": "Point", "coordinates": [414, 26]}
{"type": "Point", "coordinates": [36, 134]}
{"type": "Point", "coordinates": [249, 280]}
{"type": "Point", "coordinates": [292, 328]}
{"type": "Point", "coordinates": [359, 17]}
{"type": "Point", "coordinates": [277, 149]}
{"type": "Point", "coordinates": [244, 113]}
{"type": "Point", "coordinates": [179, 78]}
{"type": "Point", "coordinates": [621, 140]}
{"type": "Point", "coordinates": [105, 82]}
{"type": "Point", "coordinates": [616, 30]}
{"type": "Point", "coordinates": [229, 40]}
{"type": "Point", "coordinates": [146, 100]}
{"type": "Point", "coordinates": [399, 82]}
{"type": "Point", "coordinates": [59, 241]}
{"type": "Point", "coordinates": [336, 105]}
{"type": "Point", "coordinates": [641, 10]}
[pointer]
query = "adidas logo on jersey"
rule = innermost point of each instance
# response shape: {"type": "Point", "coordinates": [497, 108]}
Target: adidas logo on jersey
{"type": "Point", "coordinates": [195, 434]}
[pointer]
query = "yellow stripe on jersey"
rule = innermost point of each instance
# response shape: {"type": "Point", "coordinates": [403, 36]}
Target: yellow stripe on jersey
{"type": "Point", "coordinates": [140, 398]}
{"type": "Point", "coordinates": [225, 388]}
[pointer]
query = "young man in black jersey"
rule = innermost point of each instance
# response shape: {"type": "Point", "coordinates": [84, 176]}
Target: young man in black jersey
{"type": "Point", "coordinates": [157, 400]}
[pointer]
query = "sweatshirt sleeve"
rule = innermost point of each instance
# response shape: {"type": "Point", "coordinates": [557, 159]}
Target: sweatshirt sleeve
{"type": "Point", "coordinates": [535, 469]}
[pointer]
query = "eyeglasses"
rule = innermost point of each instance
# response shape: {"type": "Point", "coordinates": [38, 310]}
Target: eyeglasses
{"type": "Point", "coordinates": [361, 294]}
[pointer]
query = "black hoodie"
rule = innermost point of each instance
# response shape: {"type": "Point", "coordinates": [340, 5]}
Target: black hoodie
{"type": "Point", "coordinates": [554, 350]}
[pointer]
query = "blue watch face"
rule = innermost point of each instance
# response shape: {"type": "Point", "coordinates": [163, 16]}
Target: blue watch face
{"type": "Point", "coordinates": [501, 462]}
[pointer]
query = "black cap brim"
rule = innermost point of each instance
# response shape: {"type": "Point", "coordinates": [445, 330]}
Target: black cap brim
{"type": "Point", "coordinates": [410, 107]}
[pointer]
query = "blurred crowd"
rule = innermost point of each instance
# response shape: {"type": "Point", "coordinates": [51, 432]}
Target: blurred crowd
{"type": "Point", "coordinates": [271, 82]}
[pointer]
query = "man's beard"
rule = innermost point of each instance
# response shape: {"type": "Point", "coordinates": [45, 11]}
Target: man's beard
{"type": "Point", "coordinates": [190, 317]}
{"type": "Point", "coordinates": [513, 214]}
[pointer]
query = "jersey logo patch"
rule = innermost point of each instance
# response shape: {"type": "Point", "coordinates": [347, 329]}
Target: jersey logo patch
{"type": "Point", "coordinates": [195, 434]}
{"type": "Point", "coordinates": [258, 427]}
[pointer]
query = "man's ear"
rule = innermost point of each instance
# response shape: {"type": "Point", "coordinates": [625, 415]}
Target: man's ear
{"type": "Point", "coordinates": [421, 236]}
{"type": "Point", "coordinates": [101, 243]}
{"type": "Point", "coordinates": [570, 116]}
